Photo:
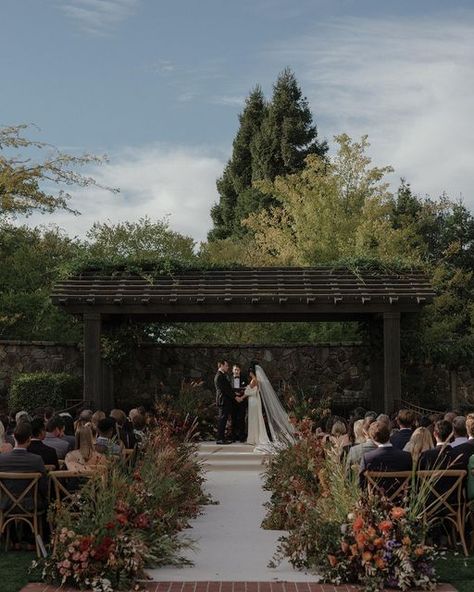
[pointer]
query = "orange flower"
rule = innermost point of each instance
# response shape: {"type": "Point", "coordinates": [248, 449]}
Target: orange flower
{"type": "Point", "coordinates": [379, 542]}
{"type": "Point", "coordinates": [358, 523]}
{"type": "Point", "coordinates": [354, 550]}
{"type": "Point", "coordinates": [371, 532]}
{"type": "Point", "coordinates": [361, 539]}
{"type": "Point", "coordinates": [419, 551]}
{"type": "Point", "coordinates": [406, 541]}
{"type": "Point", "coordinates": [397, 513]}
{"type": "Point", "coordinates": [332, 560]}
{"type": "Point", "coordinates": [379, 562]}
{"type": "Point", "coordinates": [385, 525]}
{"type": "Point", "coordinates": [366, 556]}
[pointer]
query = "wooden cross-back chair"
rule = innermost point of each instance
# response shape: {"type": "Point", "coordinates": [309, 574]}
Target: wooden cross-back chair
{"type": "Point", "coordinates": [391, 484]}
{"type": "Point", "coordinates": [445, 499]}
{"type": "Point", "coordinates": [22, 506]}
{"type": "Point", "coordinates": [67, 485]}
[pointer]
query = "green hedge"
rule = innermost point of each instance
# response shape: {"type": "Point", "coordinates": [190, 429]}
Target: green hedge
{"type": "Point", "coordinates": [42, 389]}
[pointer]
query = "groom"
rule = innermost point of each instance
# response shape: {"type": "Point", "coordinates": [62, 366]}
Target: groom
{"type": "Point", "coordinates": [226, 401]}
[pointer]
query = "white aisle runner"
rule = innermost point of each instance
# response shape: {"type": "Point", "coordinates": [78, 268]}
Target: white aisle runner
{"type": "Point", "coordinates": [230, 545]}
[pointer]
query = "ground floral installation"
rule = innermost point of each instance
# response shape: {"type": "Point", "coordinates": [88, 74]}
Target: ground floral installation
{"type": "Point", "coordinates": [338, 531]}
{"type": "Point", "coordinates": [128, 518]}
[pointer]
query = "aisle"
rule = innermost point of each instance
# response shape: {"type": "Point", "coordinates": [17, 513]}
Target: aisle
{"type": "Point", "coordinates": [231, 546]}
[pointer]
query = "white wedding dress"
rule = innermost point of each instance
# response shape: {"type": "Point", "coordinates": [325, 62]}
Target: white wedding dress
{"type": "Point", "coordinates": [262, 397]}
{"type": "Point", "coordinates": [257, 432]}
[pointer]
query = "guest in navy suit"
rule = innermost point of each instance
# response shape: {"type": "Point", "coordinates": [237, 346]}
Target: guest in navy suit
{"type": "Point", "coordinates": [461, 454]}
{"type": "Point", "coordinates": [438, 457]}
{"type": "Point", "coordinates": [406, 420]}
{"type": "Point", "coordinates": [385, 457]}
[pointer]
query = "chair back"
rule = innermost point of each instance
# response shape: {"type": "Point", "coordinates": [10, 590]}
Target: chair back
{"type": "Point", "coordinates": [391, 484]}
{"type": "Point", "coordinates": [67, 485]}
{"type": "Point", "coordinates": [17, 491]}
{"type": "Point", "coordinates": [444, 491]}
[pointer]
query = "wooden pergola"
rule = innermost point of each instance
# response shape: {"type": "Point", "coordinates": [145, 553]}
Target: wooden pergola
{"type": "Point", "coordinates": [249, 294]}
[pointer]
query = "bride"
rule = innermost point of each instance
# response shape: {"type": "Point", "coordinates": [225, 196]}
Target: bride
{"type": "Point", "coordinates": [260, 395]}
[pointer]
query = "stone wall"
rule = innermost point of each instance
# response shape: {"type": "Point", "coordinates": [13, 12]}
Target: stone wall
{"type": "Point", "coordinates": [338, 370]}
{"type": "Point", "coordinates": [17, 357]}
{"type": "Point", "coordinates": [341, 370]}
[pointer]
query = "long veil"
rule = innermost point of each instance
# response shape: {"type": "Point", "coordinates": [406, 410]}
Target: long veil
{"type": "Point", "coordinates": [280, 427]}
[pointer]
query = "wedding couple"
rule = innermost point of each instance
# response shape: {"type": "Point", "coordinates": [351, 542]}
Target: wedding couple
{"type": "Point", "coordinates": [260, 396]}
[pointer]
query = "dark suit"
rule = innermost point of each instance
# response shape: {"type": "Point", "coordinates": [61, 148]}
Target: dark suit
{"type": "Point", "coordinates": [226, 403]}
{"type": "Point", "coordinates": [240, 429]}
{"type": "Point", "coordinates": [435, 458]}
{"type": "Point", "coordinates": [400, 438]}
{"type": "Point", "coordinates": [48, 454]}
{"type": "Point", "coordinates": [20, 460]}
{"type": "Point", "coordinates": [461, 454]}
{"type": "Point", "coordinates": [385, 459]}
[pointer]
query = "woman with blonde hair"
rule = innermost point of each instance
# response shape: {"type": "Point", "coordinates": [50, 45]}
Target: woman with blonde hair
{"type": "Point", "coordinates": [420, 440]}
{"type": "Point", "coordinates": [85, 458]}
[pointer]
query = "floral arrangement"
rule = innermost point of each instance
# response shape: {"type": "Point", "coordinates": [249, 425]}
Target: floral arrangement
{"type": "Point", "coordinates": [292, 476]}
{"type": "Point", "coordinates": [336, 530]}
{"type": "Point", "coordinates": [381, 546]}
{"type": "Point", "coordinates": [128, 518]}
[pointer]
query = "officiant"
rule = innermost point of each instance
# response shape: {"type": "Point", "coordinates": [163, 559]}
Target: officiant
{"type": "Point", "coordinates": [239, 383]}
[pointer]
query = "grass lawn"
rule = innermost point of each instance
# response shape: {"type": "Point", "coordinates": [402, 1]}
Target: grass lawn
{"type": "Point", "coordinates": [14, 570]}
{"type": "Point", "coordinates": [458, 571]}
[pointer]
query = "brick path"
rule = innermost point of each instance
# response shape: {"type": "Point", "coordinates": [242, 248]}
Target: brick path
{"type": "Point", "coordinates": [230, 587]}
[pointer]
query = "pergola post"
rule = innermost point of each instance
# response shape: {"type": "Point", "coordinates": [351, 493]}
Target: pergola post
{"type": "Point", "coordinates": [376, 366]}
{"type": "Point", "coordinates": [391, 350]}
{"type": "Point", "coordinates": [92, 359]}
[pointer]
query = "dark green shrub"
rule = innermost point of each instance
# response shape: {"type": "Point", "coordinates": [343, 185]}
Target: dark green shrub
{"type": "Point", "coordinates": [41, 389]}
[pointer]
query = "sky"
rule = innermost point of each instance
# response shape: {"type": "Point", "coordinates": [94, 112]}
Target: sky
{"type": "Point", "coordinates": [157, 85]}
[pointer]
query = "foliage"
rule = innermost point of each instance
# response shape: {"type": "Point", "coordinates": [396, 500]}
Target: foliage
{"type": "Point", "coordinates": [129, 518]}
{"type": "Point", "coordinates": [330, 210]}
{"type": "Point", "coordinates": [193, 405]}
{"type": "Point", "coordinates": [305, 405]}
{"type": "Point", "coordinates": [273, 139]}
{"type": "Point", "coordinates": [292, 473]}
{"type": "Point", "coordinates": [43, 388]}
{"type": "Point", "coordinates": [146, 239]}
{"type": "Point", "coordinates": [31, 261]}
{"type": "Point", "coordinates": [27, 185]}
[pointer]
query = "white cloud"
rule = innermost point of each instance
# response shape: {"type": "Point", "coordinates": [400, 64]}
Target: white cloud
{"type": "Point", "coordinates": [98, 17]}
{"type": "Point", "coordinates": [408, 83]}
{"type": "Point", "coordinates": [155, 181]}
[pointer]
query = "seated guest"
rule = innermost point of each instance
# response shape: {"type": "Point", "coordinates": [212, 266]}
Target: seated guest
{"type": "Point", "coordinates": [48, 414]}
{"type": "Point", "coordinates": [38, 434]}
{"type": "Point", "coordinates": [139, 426]}
{"type": "Point", "coordinates": [124, 428]}
{"type": "Point", "coordinates": [357, 451]}
{"type": "Point", "coordinates": [385, 457]}
{"type": "Point", "coordinates": [85, 417]}
{"type": "Point", "coordinates": [85, 457]}
{"type": "Point", "coordinates": [96, 417]}
{"type": "Point", "coordinates": [461, 454]}
{"type": "Point", "coordinates": [339, 436]}
{"type": "Point", "coordinates": [383, 417]}
{"type": "Point", "coordinates": [405, 419]}
{"type": "Point", "coordinates": [459, 431]}
{"type": "Point", "coordinates": [420, 441]}
{"type": "Point", "coordinates": [4, 446]}
{"type": "Point", "coordinates": [19, 460]}
{"type": "Point", "coordinates": [357, 431]}
{"type": "Point", "coordinates": [106, 440]}
{"type": "Point", "coordinates": [438, 457]}
{"type": "Point", "coordinates": [69, 433]}
{"type": "Point", "coordinates": [54, 437]}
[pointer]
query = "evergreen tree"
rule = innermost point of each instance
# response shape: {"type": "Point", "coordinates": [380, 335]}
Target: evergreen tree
{"type": "Point", "coordinates": [287, 135]}
{"type": "Point", "coordinates": [273, 139]}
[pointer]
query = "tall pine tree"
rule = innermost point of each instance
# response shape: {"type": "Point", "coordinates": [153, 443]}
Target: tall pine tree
{"type": "Point", "coordinates": [273, 139]}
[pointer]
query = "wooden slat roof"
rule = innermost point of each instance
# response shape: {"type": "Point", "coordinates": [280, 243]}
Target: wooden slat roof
{"type": "Point", "coordinates": [301, 288]}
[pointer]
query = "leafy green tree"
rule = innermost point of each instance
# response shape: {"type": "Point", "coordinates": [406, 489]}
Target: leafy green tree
{"type": "Point", "coordinates": [28, 184]}
{"type": "Point", "coordinates": [146, 240]}
{"type": "Point", "coordinates": [31, 261]}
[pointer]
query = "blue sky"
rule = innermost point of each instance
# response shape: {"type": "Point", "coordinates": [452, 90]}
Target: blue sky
{"type": "Point", "coordinates": [158, 85]}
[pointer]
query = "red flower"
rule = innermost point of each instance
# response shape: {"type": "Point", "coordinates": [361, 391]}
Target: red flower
{"type": "Point", "coordinates": [85, 544]}
{"type": "Point", "coordinates": [142, 521]}
{"type": "Point", "coordinates": [121, 519]}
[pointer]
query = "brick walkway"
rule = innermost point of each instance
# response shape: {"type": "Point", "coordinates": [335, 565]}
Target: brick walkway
{"type": "Point", "coordinates": [229, 587]}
